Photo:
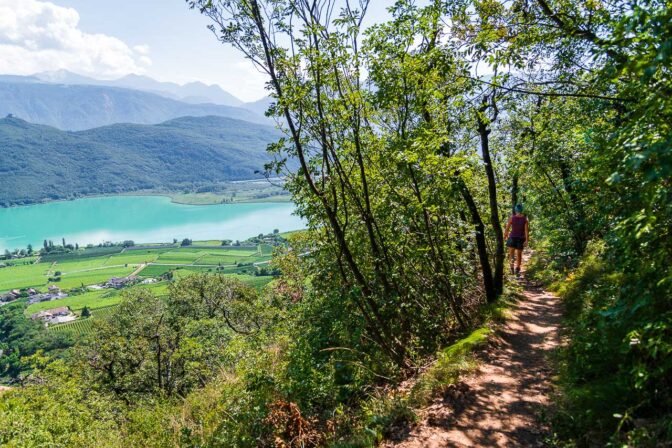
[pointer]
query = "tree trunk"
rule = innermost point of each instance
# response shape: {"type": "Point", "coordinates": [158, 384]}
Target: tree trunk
{"type": "Point", "coordinates": [514, 192]}
{"type": "Point", "coordinates": [486, 270]}
{"type": "Point", "coordinates": [498, 278]}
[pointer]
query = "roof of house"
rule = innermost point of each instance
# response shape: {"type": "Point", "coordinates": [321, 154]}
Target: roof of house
{"type": "Point", "coordinates": [51, 312]}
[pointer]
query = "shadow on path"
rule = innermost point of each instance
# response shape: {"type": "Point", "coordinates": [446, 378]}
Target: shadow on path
{"type": "Point", "coordinates": [499, 405]}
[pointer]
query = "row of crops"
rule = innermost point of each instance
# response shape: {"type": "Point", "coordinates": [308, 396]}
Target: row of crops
{"type": "Point", "coordinates": [81, 326]}
{"type": "Point", "coordinates": [90, 252]}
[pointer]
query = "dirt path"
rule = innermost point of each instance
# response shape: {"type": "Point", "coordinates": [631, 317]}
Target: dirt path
{"type": "Point", "coordinates": [138, 269]}
{"type": "Point", "coordinates": [500, 404]}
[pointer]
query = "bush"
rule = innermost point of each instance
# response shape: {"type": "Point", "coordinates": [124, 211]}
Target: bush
{"type": "Point", "coordinates": [617, 367]}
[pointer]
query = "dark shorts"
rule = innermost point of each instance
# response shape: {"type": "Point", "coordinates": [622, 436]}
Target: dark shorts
{"type": "Point", "coordinates": [515, 242]}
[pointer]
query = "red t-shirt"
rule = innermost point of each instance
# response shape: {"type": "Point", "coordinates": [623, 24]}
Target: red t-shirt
{"type": "Point", "coordinates": [518, 226]}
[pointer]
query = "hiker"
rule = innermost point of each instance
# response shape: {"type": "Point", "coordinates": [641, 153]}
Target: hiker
{"type": "Point", "coordinates": [517, 236]}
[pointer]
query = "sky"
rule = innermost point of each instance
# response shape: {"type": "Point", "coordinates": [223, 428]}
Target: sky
{"type": "Point", "coordinates": [108, 39]}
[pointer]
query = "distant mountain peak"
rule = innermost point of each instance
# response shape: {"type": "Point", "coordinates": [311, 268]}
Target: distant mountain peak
{"type": "Point", "coordinates": [77, 105]}
{"type": "Point", "coordinates": [192, 92]}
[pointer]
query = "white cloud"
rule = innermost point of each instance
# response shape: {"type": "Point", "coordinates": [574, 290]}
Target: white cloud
{"type": "Point", "coordinates": [142, 49]}
{"type": "Point", "coordinates": [39, 36]}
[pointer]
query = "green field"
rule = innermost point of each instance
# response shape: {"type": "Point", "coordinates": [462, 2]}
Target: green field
{"type": "Point", "coordinates": [92, 277]}
{"type": "Point", "coordinates": [93, 252]}
{"type": "Point", "coordinates": [132, 257]}
{"type": "Point", "coordinates": [81, 327]}
{"type": "Point", "coordinates": [82, 268]}
{"type": "Point", "coordinates": [253, 280]}
{"type": "Point", "coordinates": [92, 299]}
{"type": "Point", "coordinates": [23, 276]}
{"type": "Point", "coordinates": [155, 271]}
{"type": "Point", "coordinates": [19, 261]}
{"type": "Point", "coordinates": [97, 265]}
{"type": "Point", "coordinates": [220, 259]}
{"type": "Point", "coordinates": [180, 256]}
{"type": "Point", "coordinates": [213, 243]}
{"type": "Point", "coordinates": [66, 267]}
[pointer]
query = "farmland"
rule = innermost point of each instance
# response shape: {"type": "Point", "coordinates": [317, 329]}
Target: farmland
{"type": "Point", "coordinates": [81, 327]}
{"type": "Point", "coordinates": [75, 272]}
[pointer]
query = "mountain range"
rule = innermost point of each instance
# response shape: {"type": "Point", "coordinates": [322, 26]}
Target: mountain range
{"type": "Point", "coordinates": [77, 107]}
{"type": "Point", "coordinates": [193, 92]}
{"type": "Point", "coordinates": [40, 163]}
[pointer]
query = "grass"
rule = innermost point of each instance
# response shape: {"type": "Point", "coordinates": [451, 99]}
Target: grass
{"type": "Point", "coordinates": [387, 409]}
{"type": "Point", "coordinates": [134, 258]}
{"type": "Point", "coordinates": [82, 268]}
{"type": "Point", "coordinates": [214, 243]}
{"type": "Point", "coordinates": [24, 276]}
{"type": "Point", "coordinates": [155, 271]}
{"type": "Point", "coordinates": [92, 299]}
{"type": "Point", "coordinates": [92, 277]}
{"type": "Point", "coordinates": [97, 265]}
{"type": "Point", "coordinates": [291, 232]}
{"type": "Point", "coordinates": [92, 252]}
{"type": "Point", "coordinates": [19, 261]}
{"type": "Point", "coordinates": [80, 265]}
{"type": "Point", "coordinates": [451, 362]}
{"type": "Point", "coordinates": [180, 256]}
{"type": "Point", "coordinates": [253, 280]}
{"type": "Point", "coordinates": [266, 249]}
{"type": "Point", "coordinates": [221, 259]}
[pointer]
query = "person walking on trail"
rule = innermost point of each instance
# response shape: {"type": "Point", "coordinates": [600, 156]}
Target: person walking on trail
{"type": "Point", "coordinates": [517, 236]}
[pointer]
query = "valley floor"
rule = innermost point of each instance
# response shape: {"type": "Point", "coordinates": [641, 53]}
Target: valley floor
{"type": "Point", "coordinates": [502, 403]}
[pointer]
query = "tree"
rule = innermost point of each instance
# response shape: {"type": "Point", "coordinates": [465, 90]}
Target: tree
{"type": "Point", "coordinates": [375, 172]}
{"type": "Point", "coordinates": [86, 312]}
{"type": "Point", "coordinates": [171, 345]}
{"type": "Point", "coordinates": [30, 249]}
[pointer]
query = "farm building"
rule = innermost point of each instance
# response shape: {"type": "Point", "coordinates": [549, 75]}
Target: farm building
{"type": "Point", "coordinates": [37, 298]}
{"type": "Point", "coordinates": [55, 315]}
{"type": "Point", "coordinates": [120, 282]}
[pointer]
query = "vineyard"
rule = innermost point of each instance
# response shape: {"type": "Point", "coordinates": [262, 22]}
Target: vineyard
{"type": "Point", "coordinates": [80, 326]}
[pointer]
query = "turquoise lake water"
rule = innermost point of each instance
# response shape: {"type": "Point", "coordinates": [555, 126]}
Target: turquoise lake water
{"type": "Point", "coordinates": [143, 219]}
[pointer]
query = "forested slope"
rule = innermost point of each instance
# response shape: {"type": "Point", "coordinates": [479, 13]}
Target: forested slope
{"type": "Point", "coordinates": [410, 161]}
{"type": "Point", "coordinates": [43, 163]}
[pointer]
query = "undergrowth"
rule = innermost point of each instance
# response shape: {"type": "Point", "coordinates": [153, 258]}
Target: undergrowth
{"type": "Point", "coordinates": [392, 411]}
{"type": "Point", "coordinates": [614, 370]}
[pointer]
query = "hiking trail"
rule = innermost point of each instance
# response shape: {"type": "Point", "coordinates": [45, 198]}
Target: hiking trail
{"type": "Point", "coordinates": [501, 403]}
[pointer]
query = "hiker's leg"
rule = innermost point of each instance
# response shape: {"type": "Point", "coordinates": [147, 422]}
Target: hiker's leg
{"type": "Point", "coordinates": [519, 258]}
{"type": "Point", "coordinates": [512, 253]}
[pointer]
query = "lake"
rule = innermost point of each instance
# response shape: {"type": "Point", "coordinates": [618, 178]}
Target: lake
{"type": "Point", "coordinates": [143, 219]}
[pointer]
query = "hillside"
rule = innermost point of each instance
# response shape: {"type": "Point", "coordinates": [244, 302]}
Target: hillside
{"type": "Point", "coordinates": [78, 107]}
{"type": "Point", "coordinates": [39, 162]}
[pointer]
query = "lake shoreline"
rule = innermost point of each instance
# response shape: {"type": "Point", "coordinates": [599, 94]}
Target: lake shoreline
{"type": "Point", "coordinates": [252, 190]}
{"type": "Point", "coordinates": [140, 217]}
